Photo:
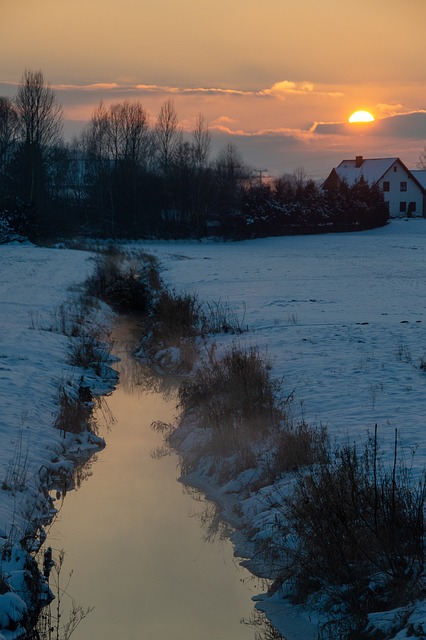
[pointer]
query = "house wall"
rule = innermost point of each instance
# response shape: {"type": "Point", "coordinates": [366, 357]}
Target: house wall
{"type": "Point", "coordinates": [412, 197]}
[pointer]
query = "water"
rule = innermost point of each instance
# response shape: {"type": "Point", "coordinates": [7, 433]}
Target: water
{"type": "Point", "coordinates": [133, 540]}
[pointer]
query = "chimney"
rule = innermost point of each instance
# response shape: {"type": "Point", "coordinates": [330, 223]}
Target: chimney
{"type": "Point", "coordinates": [358, 161]}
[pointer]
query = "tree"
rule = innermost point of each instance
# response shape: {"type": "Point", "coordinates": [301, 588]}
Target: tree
{"type": "Point", "coordinates": [39, 128]}
{"type": "Point", "coordinates": [202, 142]}
{"type": "Point", "coordinates": [119, 133]}
{"type": "Point", "coordinates": [168, 134]}
{"type": "Point", "coordinates": [119, 155]}
{"type": "Point", "coordinates": [422, 160]}
{"type": "Point", "coordinates": [39, 112]}
{"type": "Point", "coordinates": [8, 130]}
{"type": "Point", "coordinates": [230, 173]}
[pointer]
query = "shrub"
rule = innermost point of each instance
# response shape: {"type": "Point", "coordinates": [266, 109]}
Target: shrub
{"type": "Point", "coordinates": [220, 318]}
{"type": "Point", "coordinates": [88, 352]}
{"type": "Point", "coordinates": [177, 315]}
{"type": "Point", "coordinates": [75, 414]}
{"type": "Point", "coordinates": [125, 281]}
{"type": "Point", "coordinates": [234, 398]}
{"type": "Point", "coordinates": [299, 445]}
{"type": "Point", "coordinates": [357, 532]}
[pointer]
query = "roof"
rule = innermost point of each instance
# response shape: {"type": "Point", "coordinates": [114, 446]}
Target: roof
{"type": "Point", "coordinates": [420, 176]}
{"type": "Point", "coordinates": [371, 170]}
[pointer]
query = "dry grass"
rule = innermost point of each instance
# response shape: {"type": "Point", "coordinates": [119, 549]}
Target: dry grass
{"type": "Point", "coordinates": [234, 398]}
{"type": "Point", "coordinates": [176, 316]}
{"type": "Point", "coordinates": [299, 445]}
{"type": "Point", "coordinates": [125, 280]}
{"type": "Point", "coordinates": [75, 414]}
{"type": "Point", "coordinates": [360, 532]}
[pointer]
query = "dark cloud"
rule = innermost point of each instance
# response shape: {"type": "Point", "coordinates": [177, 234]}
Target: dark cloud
{"type": "Point", "coordinates": [407, 125]}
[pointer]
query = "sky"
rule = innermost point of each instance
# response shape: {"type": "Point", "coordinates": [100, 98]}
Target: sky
{"type": "Point", "coordinates": [277, 78]}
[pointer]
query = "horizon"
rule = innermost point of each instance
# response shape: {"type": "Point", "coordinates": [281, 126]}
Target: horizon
{"type": "Point", "coordinates": [279, 81]}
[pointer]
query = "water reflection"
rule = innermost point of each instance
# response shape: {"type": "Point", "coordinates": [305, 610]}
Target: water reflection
{"type": "Point", "coordinates": [137, 557]}
{"type": "Point", "coordinates": [263, 629]}
{"type": "Point", "coordinates": [214, 529]}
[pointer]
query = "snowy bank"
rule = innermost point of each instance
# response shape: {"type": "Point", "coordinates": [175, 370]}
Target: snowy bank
{"type": "Point", "coordinates": [39, 292]}
{"type": "Point", "coordinates": [343, 320]}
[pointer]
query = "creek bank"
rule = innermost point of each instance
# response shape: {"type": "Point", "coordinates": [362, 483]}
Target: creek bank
{"type": "Point", "coordinates": [230, 453]}
{"type": "Point", "coordinates": [251, 518]}
{"type": "Point", "coordinates": [55, 367]}
{"type": "Point", "coordinates": [236, 482]}
{"type": "Point", "coordinates": [183, 586]}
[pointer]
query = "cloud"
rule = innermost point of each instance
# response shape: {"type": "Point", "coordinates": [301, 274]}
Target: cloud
{"type": "Point", "coordinates": [384, 110]}
{"type": "Point", "coordinates": [99, 86]}
{"type": "Point", "coordinates": [223, 121]}
{"type": "Point", "coordinates": [406, 125]}
{"type": "Point", "coordinates": [156, 88]}
{"type": "Point", "coordinates": [277, 90]}
{"type": "Point", "coordinates": [224, 125]}
{"type": "Point", "coordinates": [398, 125]}
{"type": "Point", "coordinates": [300, 88]}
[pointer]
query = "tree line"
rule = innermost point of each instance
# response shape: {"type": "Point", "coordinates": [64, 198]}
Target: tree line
{"type": "Point", "coordinates": [128, 175]}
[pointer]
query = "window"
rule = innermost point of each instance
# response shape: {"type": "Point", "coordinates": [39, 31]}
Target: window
{"type": "Point", "coordinates": [402, 207]}
{"type": "Point", "coordinates": [411, 207]}
{"type": "Point", "coordinates": [386, 185]}
{"type": "Point", "coordinates": [395, 168]}
{"type": "Point", "coordinates": [403, 186]}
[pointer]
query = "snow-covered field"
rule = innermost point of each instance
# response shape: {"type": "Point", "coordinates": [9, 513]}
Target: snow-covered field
{"type": "Point", "coordinates": [341, 316]}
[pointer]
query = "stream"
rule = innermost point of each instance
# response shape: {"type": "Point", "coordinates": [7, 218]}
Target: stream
{"type": "Point", "coordinates": [133, 537]}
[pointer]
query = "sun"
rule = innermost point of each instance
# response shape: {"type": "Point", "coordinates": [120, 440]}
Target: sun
{"type": "Point", "coordinates": [361, 116]}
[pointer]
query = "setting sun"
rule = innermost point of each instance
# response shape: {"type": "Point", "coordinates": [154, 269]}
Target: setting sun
{"type": "Point", "coordinates": [361, 116]}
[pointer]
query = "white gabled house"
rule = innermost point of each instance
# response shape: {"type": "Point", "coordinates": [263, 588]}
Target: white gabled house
{"type": "Point", "coordinates": [403, 190]}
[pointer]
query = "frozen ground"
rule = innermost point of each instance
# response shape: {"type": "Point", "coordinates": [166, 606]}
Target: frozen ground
{"type": "Point", "coordinates": [342, 317]}
{"type": "Point", "coordinates": [34, 282]}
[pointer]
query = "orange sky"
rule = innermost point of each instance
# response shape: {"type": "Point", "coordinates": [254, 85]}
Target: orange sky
{"type": "Point", "coordinates": [276, 77]}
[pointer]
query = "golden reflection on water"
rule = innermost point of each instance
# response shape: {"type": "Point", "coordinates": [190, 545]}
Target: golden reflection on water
{"type": "Point", "coordinates": [136, 556]}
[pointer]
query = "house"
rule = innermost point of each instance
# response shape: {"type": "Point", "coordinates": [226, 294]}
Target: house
{"type": "Point", "coordinates": [403, 190]}
{"type": "Point", "coordinates": [420, 176]}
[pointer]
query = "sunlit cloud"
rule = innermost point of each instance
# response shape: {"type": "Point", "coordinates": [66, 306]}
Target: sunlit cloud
{"type": "Point", "coordinates": [285, 87]}
{"type": "Point", "coordinates": [277, 90]}
{"type": "Point", "coordinates": [223, 121]}
{"type": "Point", "coordinates": [98, 86]}
{"type": "Point", "coordinates": [154, 88]}
{"type": "Point", "coordinates": [384, 110]}
{"type": "Point", "coordinates": [224, 125]}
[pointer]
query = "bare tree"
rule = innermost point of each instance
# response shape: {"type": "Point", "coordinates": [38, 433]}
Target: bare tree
{"type": "Point", "coordinates": [118, 145]}
{"type": "Point", "coordinates": [119, 133]}
{"type": "Point", "coordinates": [8, 129]}
{"type": "Point", "coordinates": [39, 112]}
{"type": "Point", "coordinates": [202, 142]}
{"type": "Point", "coordinates": [95, 135]}
{"type": "Point", "coordinates": [39, 133]}
{"type": "Point", "coordinates": [422, 160]}
{"type": "Point", "coordinates": [168, 134]}
{"type": "Point", "coordinates": [129, 131]}
{"type": "Point", "coordinates": [230, 175]}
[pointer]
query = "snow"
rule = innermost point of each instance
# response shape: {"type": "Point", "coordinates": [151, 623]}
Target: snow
{"type": "Point", "coordinates": [34, 282]}
{"type": "Point", "coordinates": [420, 176]}
{"type": "Point", "coordinates": [341, 316]}
{"type": "Point", "coordinates": [371, 169]}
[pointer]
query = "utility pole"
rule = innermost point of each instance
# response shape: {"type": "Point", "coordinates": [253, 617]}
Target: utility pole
{"type": "Point", "coordinates": [261, 172]}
